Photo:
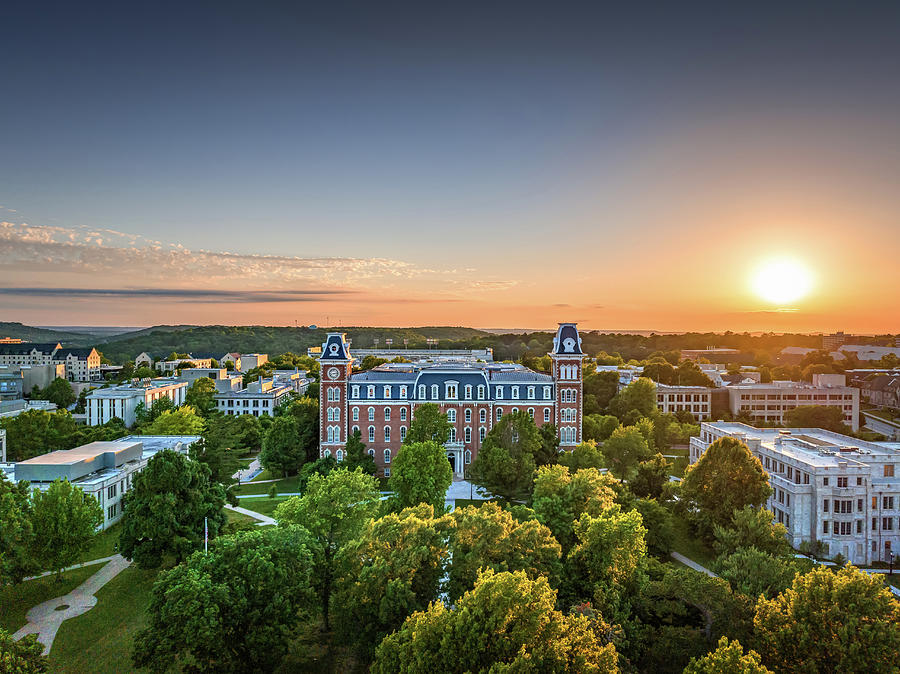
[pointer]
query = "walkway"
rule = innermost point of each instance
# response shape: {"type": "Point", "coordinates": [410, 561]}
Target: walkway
{"type": "Point", "coordinates": [247, 474]}
{"type": "Point", "coordinates": [677, 556]}
{"type": "Point", "coordinates": [44, 619]}
{"type": "Point", "coordinates": [263, 519]}
{"type": "Point", "coordinates": [74, 566]}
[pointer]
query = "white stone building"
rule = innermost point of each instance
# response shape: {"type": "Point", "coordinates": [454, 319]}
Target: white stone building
{"type": "Point", "coordinates": [694, 399]}
{"type": "Point", "coordinates": [78, 364]}
{"type": "Point", "coordinates": [260, 398]}
{"type": "Point", "coordinates": [826, 487]}
{"type": "Point", "coordinates": [122, 401]}
{"type": "Point", "coordinates": [770, 402]}
{"type": "Point", "coordinates": [249, 361]}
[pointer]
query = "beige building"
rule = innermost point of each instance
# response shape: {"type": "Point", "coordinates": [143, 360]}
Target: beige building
{"type": "Point", "coordinates": [78, 364]}
{"type": "Point", "coordinates": [249, 361]}
{"type": "Point", "coordinates": [260, 398]}
{"type": "Point", "coordinates": [694, 399]}
{"type": "Point", "coordinates": [122, 401]}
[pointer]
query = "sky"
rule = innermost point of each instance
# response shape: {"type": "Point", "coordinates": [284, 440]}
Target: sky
{"type": "Point", "coordinates": [482, 164]}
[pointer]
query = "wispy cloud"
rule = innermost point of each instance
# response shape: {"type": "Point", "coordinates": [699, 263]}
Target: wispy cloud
{"type": "Point", "coordinates": [179, 294]}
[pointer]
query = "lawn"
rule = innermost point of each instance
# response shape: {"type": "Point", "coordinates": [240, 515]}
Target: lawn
{"type": "Point", "coordinates": [17, 600]}
{"type": "Point", "coordinates": [238, 518]}
{"type": "Point", "coordinates": [104, 544]}
{"type": "Point", "coordinates": [689, 545]}
{"type": "Point", "coordinates": [263, 475]}
{"type": "Point", "coordinates": [315, 652]}
{"type": "Point", "coordinates": [101, 639]}
{"type": "Point", "coordinates": [264, 506]}
{"type": "Point", "coordinates": [287, 484]}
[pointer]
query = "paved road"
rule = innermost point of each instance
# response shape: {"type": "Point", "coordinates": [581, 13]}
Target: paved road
{"type": "Point", "coordinates": [692, 564]}
{"type": "Point", "coordinates": [44, 619]}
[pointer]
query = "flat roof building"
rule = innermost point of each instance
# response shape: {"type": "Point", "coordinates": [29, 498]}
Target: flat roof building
{"type": "Point", "coordinates": [122, 401]}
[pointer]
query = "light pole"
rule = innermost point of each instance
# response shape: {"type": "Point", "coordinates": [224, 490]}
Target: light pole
{"type": "Point", "coordinates": [891, 565]}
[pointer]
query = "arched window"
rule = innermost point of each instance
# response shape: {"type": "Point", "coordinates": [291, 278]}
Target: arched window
{"type": "Point", "coordinates": [370, 391]}
{"type": "Point", "coordinates": [515, 392]}
{"type": "Point", "coordinates": [482, 416]}
{"type": "Point", "coordinates": [499, 414]}
{"type": "Point", "coordinates": [387, 413]}
{"type": "Point", "coordinates": [330, 434]}
{"type": "Point", "coordinates": [337, 413]}
{"type": "Point", "coordinates": [481, 433]}
{"type": "Point", "coordinates": [452, 434]}
{"type": "Point", "coordinates": [371, 434]}
{"type": "Point", "coordinates": [387, 456]}
{"type": "Point", "coordinates": [468, 391]}
{"type": "Point", "coordinates": [481, 391]}
{"type": "Point", "coordinates": [451, 391]}
{"type": "Point", "coordinates": [514, 410]}
{"type": "Point", "coordinates": [371, 414]}
{"type": "Point", "coordinates": [326, 453]}
{"type": "Point", "coordinates": [371, 451]}
{"type": "Point", "coordinates": [468, 456]}
{"type": "Point", "coordinates": [498, 392]}
{"type": "Point", "coordinates": [402, 433]}
{"type": "Point", "coordinates": [531, 412]}
{"type": "Point", "coordinates": [468, 416]}
{"type": "Point", "coordinates": [434, 391]}
{"type": "Point", "coordinates": [355, 391]}
{"type": "Point", "coordinates": [468, 435]}
{"type": "Point", "coordinates": [354, 430]}
{"type": "Point", "coordinates": [421, 391]}
{"type": "Point", "coordinates": [546, 415]}
{"type": "Point", "coordinates": [355, 414]}
{"type": "Point", "coordinates": [387, 433]}
{"type": "Point", "coordinates": [387, 392]}
{"type": "Point", "coordinates": [451, 416]}
{"type": "Point", "coordinates": [547, 393]}
{"type": "Point", "coordinates": [403, 392]}
{"type": "Point", "coordinates": [531, 392]}
{"type": "Point", "coordinates": [339, 455]}
{"type": "Point", "coordinates": [402, 414]}
{"type": "Point", "coordinates": [330, 414]}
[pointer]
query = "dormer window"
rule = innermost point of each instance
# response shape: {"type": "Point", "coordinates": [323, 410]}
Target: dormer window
{"type": "Point", "coordinates": [387, 391]}
{"type": "Point", "coordinates": [403, 393]}
{"type": "Point", "coordinates": [531, 392]}
{"type": "Point", "coordinates": [547, 393]}
{"type": "Point", "coordinates": [468, 391]}
{"type": "Point", "coordinates": [370, 391]}
{"type": "Point", "coordinates": [356, 391]}
{"type": "Point", "coordinates": [515, 392]}
{"type": "Point", "coordinates": [452, 391]}
{"type": "Point", "coordinates": [434, 391]}
{"type": "Point", "coordinates": [481, 391]}
{"type": "Point", "coordinates": [498, 392]}
{"type": "Point", "coordinates": [421, 391]}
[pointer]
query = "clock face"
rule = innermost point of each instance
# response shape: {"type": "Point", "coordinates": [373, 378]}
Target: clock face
{"type": "Point", "coordinates": [334, 373]}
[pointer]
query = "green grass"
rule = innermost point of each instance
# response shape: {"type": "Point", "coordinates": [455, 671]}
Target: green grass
{"type": "Point", "coordinates": [264, 506]}
{"type": "Point", "coordinates": [287, 484]}
{"type": "Point", "coordinates": [104, 544]}
{"type": "Point", "coordinates": [264, 475]}
{"type": "Point", "coordinates": [17, 600]}
{"type": "Point", "coordinates": [678, 466]}
{"type": "Point", "coordinates": [101, 639]}
{"type": "Point", "coordinates": [238, 518]}
{"type": "Point", "coordinates": [689, 545]}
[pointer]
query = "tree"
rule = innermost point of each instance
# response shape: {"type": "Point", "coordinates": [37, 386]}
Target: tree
{"type": "Point", "coordinates": [64, 521]}
{"type": "Point", "coordinates": [659, 524]}
{"type": "Point", "coordinates": [506, 623]}
{"type": "Point", "coordinates": [321, 467]}
{"type": "Point", "coordinates": [753, 572]}
{"type": "Point", "coordinates": [334, 509]}
{"type": "Point", "coordinates": [599, 388]}
{"type": "Point", "coordinates": [233, 609]}
{"type": "Point", "coordinates": [166, 507]}
{"type": "Point", "coordinates": [829, 417]}
{"type": "Point", "coordinates": [624, 450]}
{"type": "Point", "coordinates": [639, 396]}
{"type": "Point", "coordinates": [35, 432]}
{"type": "Point", "coordinates": [598, 427]}
{"type": "Point", "coordinates": [182, 421]}
{"type": "Point", "coordinates": [25, 656]}
{"type": "Point", "coordinates": [60, 392]}
{"type": "Point", "coordinates": [585, 455]}
{"type": "Point", "coordinates": [561, 497]}
{"type": "Point", "coordinates": [281, 451]}
{"type": "Point", "coordinates": [505, 463]}
{"type": "Point", "coordinates": [144, 372]}
{"type": "Point", "coordinates": [752, 527]}
{"type": "Point", "coordinates": [420, 473]}
{"type": "Point", "coordinates": [15, 531]}
{"type": "Point", "coordinates": [429, 424]}
{"type": "Point", "coordinates": [393, 569]}
{"type": "Point", "coordinates": [726, 478]}
{"type": "Point", "coordinates": [843, 621]}
{"type": "Point", "coordinates": [548, 452]}
{"type": "Point", "coordinates": [200, 396]}
{"type": "Point", "coordinates": [728, 658]}
{"type": "Point", "coordinates": [305, 414]}
{"type": "Point", "coordinates": [356, 456]}
{"type": "Point", "coordinates": [650, 477]}
{"type": "Point", "coordinates": [490, 537]}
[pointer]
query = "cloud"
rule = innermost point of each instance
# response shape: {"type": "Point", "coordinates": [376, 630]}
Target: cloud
{"type": "Point", "coordinates": [178, 294]}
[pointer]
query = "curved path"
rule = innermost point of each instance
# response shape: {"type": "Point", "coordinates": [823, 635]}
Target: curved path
{"type": "Point", "coordinates": [44, 619]}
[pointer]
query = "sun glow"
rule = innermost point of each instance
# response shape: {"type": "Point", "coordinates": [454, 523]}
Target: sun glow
{"type": "Point", "coordinates": [782, 281]}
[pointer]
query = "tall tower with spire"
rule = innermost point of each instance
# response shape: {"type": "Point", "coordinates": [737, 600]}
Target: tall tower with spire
{"type": "Point", "coordinates": [567, 359]}
{"type": "Point", "coordinates": [335, 366]}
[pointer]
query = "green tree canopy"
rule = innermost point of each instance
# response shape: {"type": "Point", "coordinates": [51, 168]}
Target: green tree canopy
{"type": "Point", "coordinates": [489, 537]}
{"type": "Point", "coordinates": [506, 623]}
{"type": "Point", "coordinates": [305, 413]}
{"type": "Point", "coordinates": [585, 455]}
{"type": "Point", "coordinates": [393, 569]}
{"type": "Point", "coordinates": [59, 391]}
{"type": "Point", "coordinates": [165, 509]}
{"type": "Point", "coordinates": [233, 609]}
{"type": "Point", "coordinates": [200, 395]}
{"type": "Point", "coordinates": [598, 389]}
{"type": "Point", "coordinates": [64, 520]}
{"type": "Point", "coordinates": [728, 658]}
{"type": "Point", "coordinates": [25, 656]}
{"type": "Point", "coordinates": [754, 572]}
{"type": "Point", "coordinates": [598, 427]}
{"type": "Point", "coordinates": [751, 527]}
{"type": "Point", "coordinates": [830, 621]}
{"type": "Point", "coordinates": [15, 531]}
{"type": "Point", "coordinates": [182, 421]}
{"type": "Point", "coordinates": [726, 478]}
{"type": "Point", "coordinates": [639, 396]}
{"type": "Point", "coordinates": [650, 477]}
{"type": "Point", "coordinates": [334, 509]}
{"type": "Point", "coordinates": [624, 450]}
{"type": "Point", "coordinates": [829, 417]}
{"type": "Point", "coordinates": [35, 432]}
{"type": "Point", "coordinates": [505, 463]}
{"type": "Point", "coordinates": [356, 456]}
{"type": "Point", "coordinates": [420, 473]}
{"type": "Point", "coordinates": [429, 424]}
{"type": "Point", "coordinates": [281, 452]}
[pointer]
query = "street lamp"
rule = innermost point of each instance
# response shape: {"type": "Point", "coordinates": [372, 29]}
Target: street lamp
{"type": "Point", "coordinates": [891, 565]}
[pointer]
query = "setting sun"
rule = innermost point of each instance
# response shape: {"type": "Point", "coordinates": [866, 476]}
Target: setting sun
{"type": "Point", "coordinates": [782, 281]}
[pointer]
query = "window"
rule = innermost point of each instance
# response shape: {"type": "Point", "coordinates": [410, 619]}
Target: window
{"type": "Point", "coordinates": [387, 456]}
{"type": "Point", "coordinates": [887, 523]}
{"type": "Point", "coordinates": [498, 392]}
{"type": "Point", "coordinates": [468, 416]}
{"type": "Point", "coordinates": [482, 416]}
{"type": "Point", "coordinates": [825, 481]}
{"type": "Point", "coordinates": [887, 503]}
{"type": "Point", "coordinates": [387, 472]}
{"type": "Point", "coordinates": [531, 392]}
{"type": "Point", "coordinates": [468, 458]}
{"type": "Point", "coordinates": [434, 391]}
{"type": "Point", "coordinates": [421, 391]}
{"type": "Point", "coordinates": [370, 391]}
{"type": "Point", "coordinates": [825, 506]}
{"type": "Point", "coordinates": [842, 482]}
{"type": "Point", "coordinates": [371, 434]}
{"type": "Point", "coordinates": [402, 414]}
{"type": "Point", "coordinates": [387, 391]}
{"type": "Point", "coordinates": [402, 433]}
{"type": "Point", "coordinates": [355, 414]}
{"type": "Point", "coordinates": [481, 433]}
{"type": "Point", "coordinates": [531, 412]}
{"type": "Point", "coordinates": [468, 435]}
{"type": "Point", "coordinates": [888, 470]}
{"type": "Point", "coordinates": [326, 453]}
{"type": "Point", "coordinates": [371, 414]}
{"type": "Point", "coordinates": [859, 505]}
{"type": "Point", "coordinates": [546, 415]}
{"type": "Point", "coordinates": [824, 526]}
{"type": "Point", "coordinates": [514, 410]}
{"type": "Point", "coordinates": [451, 416]}
{"type": "Point", "coordinates": [481, 391]}
{"type": "Point", "coordinates": [387, 413]}
{"type": "Point", "coordinates": [859, 482]}
{"type": "Point", "coordinates": [111, 511]}
{"type": "Point", "coordinates": [468, 391]}
{"type": "Point", "coordinates": [515, 392]}
{"type": "Point", "coordinates": [403, 393]}
{"type": "Point", "coordinates": [387, 433]}
{"type": "Point", "coordinates": [339, 455]}
{"type": "Point", "coordinates": [452, 437]}
{"type": "Point", "coordinates": [452, 391]}
{"type": "Point", "coordinates": [370, 451]}
{"type": "Point", "coordinates": [354, 430]}
{"type": "Point", "coordinates": [548, 393]}
{"type": "Point", "coordinates": [111, 491]}
{"type": "Point", "coordinates": [355, 391]}
{"type": "Point", "coordinates": [499, 414]}
{"type": "Point", "coordinates": [859, 526]}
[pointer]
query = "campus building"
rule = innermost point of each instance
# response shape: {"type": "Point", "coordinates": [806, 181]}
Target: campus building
{"type": "Point", "coordinates": [77, 364]}
{"type": "Point", "coordinates": [260, 398]}
{"type": "Point", "coordinates": [380, 402]}
{"type": "Point", "coordinates": [694, 399]}
{"type": "Point", "coordinates": [122, 401]}
{"type": "Point", "coordinates": [826, 487]}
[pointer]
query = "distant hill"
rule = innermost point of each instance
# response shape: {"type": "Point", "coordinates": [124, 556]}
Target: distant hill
{"type": "Point", "coordinates": [31, 334]}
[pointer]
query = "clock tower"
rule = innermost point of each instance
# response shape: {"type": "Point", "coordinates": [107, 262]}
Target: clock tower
{"type": "Point", "coordinates": [335, 366]}
{"type": "Point", "coordinates": [567, 358]}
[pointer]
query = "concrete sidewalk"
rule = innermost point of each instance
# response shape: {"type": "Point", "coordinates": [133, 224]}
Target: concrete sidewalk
{"type": "Point", "coordinates": [44, 619]}
{"type": "Point", "coordinates": [692, 564]}
{"type": "Point", "coordinates": [74, 566]}
{"type": "Point", "coordinates": [262, 519]}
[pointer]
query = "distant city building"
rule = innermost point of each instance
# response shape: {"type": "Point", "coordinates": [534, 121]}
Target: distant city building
{"type": "Point", "coordinates": [870, 352]}
{"type": "Point", "coordinates": [380, 403]}
{"type": "Point", "coordinates": [250, 361]}
{"type": "Point", "coordinates": [170, 366]}
{"type": "Point", "coordinates": [104, 470]}
{"type": "Point", "coordinates": [716, 355]}
{"type": "Point", "coordinates": [833, 341]}
{"type": "Point", "coordinates": [2, 445]}
{"type": "Point", "coordinates": [122, 401]}
{"type": "Point", "coordinates": [13, 408]}
{"type": "Point", "coordinates": [233, 358]}
{"type": "Point", "coordinates": [882, 390]}
{"type": "Point", "coordinates": [12, 384]}
{"type": "Point", "coordinates": [224, 381]}
{"type": "Point", "coordinates": [10, 340]}
{"type": "Point", "coordinates": [826, 487]}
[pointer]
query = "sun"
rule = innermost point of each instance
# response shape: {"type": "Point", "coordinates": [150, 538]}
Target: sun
{"type": "Point", "coordinates": [782, 281]}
